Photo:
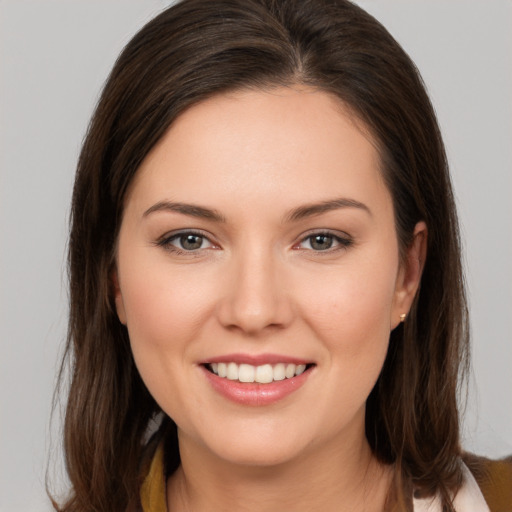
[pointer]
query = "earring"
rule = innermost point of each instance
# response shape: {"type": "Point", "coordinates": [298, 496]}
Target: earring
{"type": "Point", "coordinates": [403, 317]}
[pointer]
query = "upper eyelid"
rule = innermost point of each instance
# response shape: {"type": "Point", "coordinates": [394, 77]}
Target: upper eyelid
{"type": "Point", "coordinates": [190, 231]}
{"type": "Point", "coordinates": [336, 233]}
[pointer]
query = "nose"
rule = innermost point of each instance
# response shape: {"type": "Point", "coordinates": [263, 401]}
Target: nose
{"type": "Point", "coordinates": [255, 298]}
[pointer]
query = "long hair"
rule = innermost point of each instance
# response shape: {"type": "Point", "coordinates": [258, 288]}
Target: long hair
{"type": "Point", "coordinates": [190, 52]}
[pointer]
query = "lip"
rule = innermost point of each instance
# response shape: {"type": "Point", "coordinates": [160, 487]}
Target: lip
{"type": "Point", "coordinates": [255, 360]}
{"type": "Point", "coordinates": [255, 394]}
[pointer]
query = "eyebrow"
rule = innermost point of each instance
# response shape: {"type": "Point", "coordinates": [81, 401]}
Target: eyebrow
{"type": "Point", "coordinates": [186, 209]}
{"type": "Point", "coordinates": [294, 215]}
{"type": "Point", "coordinates": [325, 206]}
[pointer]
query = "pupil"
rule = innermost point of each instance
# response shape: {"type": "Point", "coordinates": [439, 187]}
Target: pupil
{"type": "Point", "coordinates": [191, 242]}
{"type": "Point", "coordinates": [321, 242]}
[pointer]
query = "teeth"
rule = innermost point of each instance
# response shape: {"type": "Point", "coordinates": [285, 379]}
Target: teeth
{"type": "Point", "coordinates": [300, 369]}
{"type": "Point", "coordinates": [279, 371]}
{"type": "Point", "coordinates": [289, 371]}
{"type": "Point", "coordinates": [245, 373]}
{"type": "Point", "coordinates": [263, 374]}
{"type": "Point", "coordinates": [222, 369]}
{"type": "Point", "coordinates": [232, 371]}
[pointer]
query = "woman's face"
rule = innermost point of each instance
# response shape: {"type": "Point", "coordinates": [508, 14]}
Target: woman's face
{"type": "Point", "coordinates": [259, 237]}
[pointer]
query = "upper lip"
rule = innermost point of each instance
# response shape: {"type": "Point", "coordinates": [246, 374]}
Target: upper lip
{"type": "Point", "coordinates": [256, 360]}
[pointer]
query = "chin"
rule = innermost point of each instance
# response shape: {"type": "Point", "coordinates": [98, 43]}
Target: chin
{"type": "Point", "coordinates": [255, 447]}
{"type": "Point", "coordinates": [258, 455]}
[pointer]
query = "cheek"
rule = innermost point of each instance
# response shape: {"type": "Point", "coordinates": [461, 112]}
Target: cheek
{"type": "Point", "coordinates": [355, 303]}
{"type": "Point", "coordinates": [351, 316]}
{"type": "Point", "coordinates": [163, 301]}
{"type": "Point", "coordinates": [163, 314]}
{"type": "Point", "coordinates": [165, 311]}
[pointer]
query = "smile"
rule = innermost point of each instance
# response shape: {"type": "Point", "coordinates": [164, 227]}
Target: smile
{"type": "Point", "coordinates": [262, 374]}
{"type": "Point", "coordinates": [256, 380]}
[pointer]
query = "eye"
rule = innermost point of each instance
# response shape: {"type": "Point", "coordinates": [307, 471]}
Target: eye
{"type": "Point", "coordinates": [190, 242]}
{"type": "Point", "coordinates": [186, 241]}
{"type": "Point", "coordinates": [324, 242]}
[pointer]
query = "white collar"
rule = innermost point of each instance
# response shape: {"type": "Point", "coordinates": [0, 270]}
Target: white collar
{"type": "Point", "coordinates": [468, 499]}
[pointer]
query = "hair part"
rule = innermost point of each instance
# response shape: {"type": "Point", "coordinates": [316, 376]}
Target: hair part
{"type": "Point", "coordinates": [188, 53]}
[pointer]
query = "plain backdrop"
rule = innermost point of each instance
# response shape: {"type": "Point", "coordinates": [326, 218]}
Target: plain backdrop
{"type": "Point", "coordinates": [54, 57]}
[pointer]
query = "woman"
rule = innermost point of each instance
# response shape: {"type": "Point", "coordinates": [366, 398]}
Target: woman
{"type": "Point", "coordinates": [265, 274]}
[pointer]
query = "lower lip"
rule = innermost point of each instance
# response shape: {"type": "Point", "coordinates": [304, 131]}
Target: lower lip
{"type": "Point", "coordinates": [255, 394]}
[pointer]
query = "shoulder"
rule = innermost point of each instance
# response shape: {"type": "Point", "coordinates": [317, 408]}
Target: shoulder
{"type": "Point", "coordinates": [494, 478]}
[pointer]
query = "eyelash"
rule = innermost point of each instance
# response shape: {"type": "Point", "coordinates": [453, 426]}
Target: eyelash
{"type": "Point", "coordinates": [342, 242]}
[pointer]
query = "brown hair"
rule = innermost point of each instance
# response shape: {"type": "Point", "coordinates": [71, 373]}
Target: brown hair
{"type": "Point", "coordinates": [191, 51]}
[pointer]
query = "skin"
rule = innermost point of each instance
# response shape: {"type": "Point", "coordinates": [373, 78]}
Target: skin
{"type": "Point", "coordinates": [257, 285]}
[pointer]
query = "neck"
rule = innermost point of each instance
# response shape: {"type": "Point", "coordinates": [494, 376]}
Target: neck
{"type": "Point", "coordinates": [338, 479]}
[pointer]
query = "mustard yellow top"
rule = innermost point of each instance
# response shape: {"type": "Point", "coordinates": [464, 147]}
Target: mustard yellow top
{"type": "Point", "coordinates": [493, 477]}
{"type": "Point", "coordinates": [152, 493]}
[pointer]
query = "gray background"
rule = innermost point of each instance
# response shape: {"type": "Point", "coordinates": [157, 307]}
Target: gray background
{"type": "Point", "coordinates": [54, 57]}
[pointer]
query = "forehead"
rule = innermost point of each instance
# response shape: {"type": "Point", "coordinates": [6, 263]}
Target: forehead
{"type": "Point", "coordinates": [288, 143]}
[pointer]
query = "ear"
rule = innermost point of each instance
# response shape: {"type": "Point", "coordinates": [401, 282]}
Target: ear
{"type": "Point", "coordinates": [121, 313]}
{"type": "Point", "coordinates": [409, 274]}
